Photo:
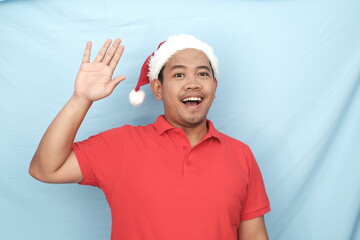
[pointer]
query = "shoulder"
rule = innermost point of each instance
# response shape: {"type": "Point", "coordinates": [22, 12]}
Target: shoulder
{"type": "Point", "coordinates": [226, 140]}
{"type": "Point", "coordinates": [126, 132]}
{"type": "Point", "coordinates": [233, 142]}
{"type": "Point", "coordinates": [126, 129]}
{"type": "Point", "coordinates": [238, 150]}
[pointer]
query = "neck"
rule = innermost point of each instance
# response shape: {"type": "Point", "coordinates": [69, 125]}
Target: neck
{"type": "Point", "coordinates": [194, 133]}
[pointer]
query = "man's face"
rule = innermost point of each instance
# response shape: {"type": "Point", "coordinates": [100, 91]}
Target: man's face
{"type": "Point", "coordinates": [188, 88]}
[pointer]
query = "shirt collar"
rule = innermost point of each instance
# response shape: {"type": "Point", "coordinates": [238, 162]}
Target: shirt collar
{"type": "Point", "coordinates": [162, 125]}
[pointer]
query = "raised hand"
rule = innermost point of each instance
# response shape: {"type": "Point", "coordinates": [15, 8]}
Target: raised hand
{"type": "Point", "coordinates": [94, 80]}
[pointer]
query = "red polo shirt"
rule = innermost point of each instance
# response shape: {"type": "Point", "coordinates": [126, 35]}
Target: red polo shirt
{"type": "Point", "coordinates": [160, 188]}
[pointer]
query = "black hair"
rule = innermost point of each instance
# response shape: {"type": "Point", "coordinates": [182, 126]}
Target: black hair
{"type": "Point", "coordinates": [160, 77]}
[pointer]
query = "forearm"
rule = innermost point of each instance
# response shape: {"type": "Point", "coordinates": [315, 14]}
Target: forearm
{"type": "Point", "coordinates": [55, 146]}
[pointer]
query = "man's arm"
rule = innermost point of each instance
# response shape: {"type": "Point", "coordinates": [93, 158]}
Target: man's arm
{"type": "Point", "coordinates": [54, 161]}
{"type": "Point", "coordinates": [253, 229]}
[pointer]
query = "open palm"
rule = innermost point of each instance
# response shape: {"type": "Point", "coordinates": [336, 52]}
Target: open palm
{"type": "Point", "coordinates": [94, 80]}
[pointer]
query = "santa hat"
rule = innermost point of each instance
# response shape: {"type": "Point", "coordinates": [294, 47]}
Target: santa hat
{"type": "Point", "coordinates": [156, 61]}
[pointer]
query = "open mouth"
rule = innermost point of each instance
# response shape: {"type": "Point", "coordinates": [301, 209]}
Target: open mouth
{"type": "Point", "coordinates": [192, 101]}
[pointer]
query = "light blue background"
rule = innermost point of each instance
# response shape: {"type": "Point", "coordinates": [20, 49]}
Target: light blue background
{"type": "Point", "coordinates": [288, 87]}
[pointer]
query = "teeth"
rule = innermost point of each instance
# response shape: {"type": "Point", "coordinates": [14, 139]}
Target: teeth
{"type": "Point", "coordinates": [191, 99]}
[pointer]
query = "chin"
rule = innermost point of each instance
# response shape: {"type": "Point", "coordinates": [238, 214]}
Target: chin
{"type": "Point", "coordinates": [194, 120]}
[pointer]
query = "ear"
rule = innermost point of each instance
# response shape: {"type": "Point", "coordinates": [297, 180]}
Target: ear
{"type": "Point", "coordinates": [156, 87]}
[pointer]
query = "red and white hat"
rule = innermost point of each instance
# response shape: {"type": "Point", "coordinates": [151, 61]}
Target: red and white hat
{"type": "Point", "coordinates": [156, 61]}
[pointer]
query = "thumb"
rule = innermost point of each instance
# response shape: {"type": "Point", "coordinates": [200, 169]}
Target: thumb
{"type": "Point", "coordinates": [113, 83]}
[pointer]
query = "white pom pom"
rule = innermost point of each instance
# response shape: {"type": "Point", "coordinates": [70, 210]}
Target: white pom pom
{"type": "Point", "coordinates": [136, 98]}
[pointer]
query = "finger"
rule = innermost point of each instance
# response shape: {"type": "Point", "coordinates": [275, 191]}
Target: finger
{"type": "Point", "coordinates": [115, 60]}
{"type": "Point", "coordinates": [86, 57]}
{"type": "Point", "coordinates": [110, 54]}
{"type": "Point", "coordinates": [103, 51]}
{"type": "Point", "coordinates": [112, 84]}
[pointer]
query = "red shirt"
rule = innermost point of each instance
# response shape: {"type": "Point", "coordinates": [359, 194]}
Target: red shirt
{"type": "Point", "coordinates": [160, 188]}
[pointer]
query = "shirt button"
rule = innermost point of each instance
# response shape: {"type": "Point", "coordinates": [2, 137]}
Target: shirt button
{"type": "Point", "coordinates": [177, 132]}
{"type": "Point", "coordinates": [189, 163]}
{"type": "Point", "coordinates": [184, 147]}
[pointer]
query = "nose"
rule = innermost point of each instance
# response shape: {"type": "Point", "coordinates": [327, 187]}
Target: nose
{"type": "Point", "coordinates": [193, 83]}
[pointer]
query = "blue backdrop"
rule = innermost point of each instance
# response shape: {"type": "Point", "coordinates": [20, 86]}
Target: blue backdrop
{"type": "Point", "coordinates": [288, 87]}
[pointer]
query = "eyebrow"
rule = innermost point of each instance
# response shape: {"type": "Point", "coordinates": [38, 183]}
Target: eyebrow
{"type": "Point", "coordinates": [182, 66]}
{"type": "Point", "coordinates": [176, 67]}
{"type": "Point", "coordinates": [205, 67]}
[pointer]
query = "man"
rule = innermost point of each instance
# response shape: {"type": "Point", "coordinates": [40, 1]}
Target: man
{"type": "Point", "coordinates": [176, 179]}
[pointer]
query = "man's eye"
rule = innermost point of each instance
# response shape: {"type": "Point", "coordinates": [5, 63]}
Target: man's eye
{"type": "Point", "coordinates": [179, 75]}
{"type": "Point", "coordinates": [203, 74]}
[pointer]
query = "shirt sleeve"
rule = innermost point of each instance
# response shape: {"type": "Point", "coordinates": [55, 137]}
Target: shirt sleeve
{"type": "Point", "coordinates": [99, 157]}
{"type": "Point", "coordinates": [256, 203]}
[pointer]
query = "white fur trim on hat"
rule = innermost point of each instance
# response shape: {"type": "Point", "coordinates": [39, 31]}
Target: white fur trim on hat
{"type": "Point", "coordinates": [177, 43]}
{"type": "Point", "coordinates": [136, 98]}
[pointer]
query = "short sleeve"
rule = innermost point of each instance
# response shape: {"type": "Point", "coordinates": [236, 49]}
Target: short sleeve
{"type": "Point", "coordinates": [256, 203]}
{"type": "Point", "coordinates": [99, 157]}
